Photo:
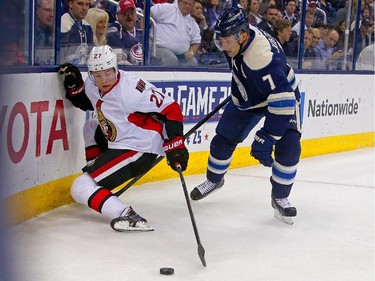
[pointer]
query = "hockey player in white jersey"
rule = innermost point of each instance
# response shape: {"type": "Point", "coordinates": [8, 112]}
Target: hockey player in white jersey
{"type": "Point", "coordinates": [263, 85]}
{"type": "Point", "coordinates": [138, 124]}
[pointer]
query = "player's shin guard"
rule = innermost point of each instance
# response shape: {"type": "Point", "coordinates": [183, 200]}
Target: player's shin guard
{"type": "Point", "coordinates": [221, 150]}
{"type": "Point", "coordinates": [86, 192]}
{"type": "Point", "coordinates": [282, 179]}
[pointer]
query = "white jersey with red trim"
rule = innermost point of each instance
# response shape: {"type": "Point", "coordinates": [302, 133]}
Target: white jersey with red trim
{"type": "Point", "coordinates": [128, 113]}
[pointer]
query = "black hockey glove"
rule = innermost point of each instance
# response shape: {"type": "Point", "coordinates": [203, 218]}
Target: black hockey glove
{"type": "Point", "coordinates": [71, 76]}
{"type": "Point", "coordinates": [176, 153]}
{"type": "Point", "coordinates": [74, 86]}
{"type": "Point", "coordinates": [262, 148]}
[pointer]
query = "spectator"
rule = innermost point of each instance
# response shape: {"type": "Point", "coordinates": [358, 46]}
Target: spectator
{"type": "Point", "coordinates": [126, 33]}
{"type": "Point", "coordinates": [253, 13]}
{"type": "Point", "coordinates": [318, 14]}
{"type": "Point", "coordinates": [270, 17]}
{"type": "Point", "coordinates": [45, 23]}
{"type": "Point", "coordinates": [316, 38]}
{"type": "Point", "coordinates": [76, 33]}
{"type": "Point", "coordinates": [310, 42]}
{"type": "Point", "coordinates": [365, 36]}
{"type": "Point", "coordinates": [330, 11]}
{"type": "Point", "coordinates": [342, 12]}
{"type": "Point", "coordinates": [308, 22]}
{"type": "Point", "coordinates": [323, 29]}
{"type": "Point", "coordinates": [212, 12]}
{"type": "Point", "coordinates": [371, 5]}
{"type": "Point", "coordinates": [226, 4]}
{"type": "Point", "coordinates": [310, 54]}
{"type": "Point", "coordinates": [366, 13]}
{"type": "Point", "coordinates": [264, 4]}
{"type": "Point", "coordinates": [289, 12]}
{"type": "Point", "coordinates": [207, 43]}
{"type": "Point", "coordinates": [98, 19]}
{"type": "Point", "coordinates": [366, 58]}
{"type": "Point", "coordinates": [243, 4]}
{"type": "Point", "coordinates": [197, 14]}
{"type": "Point", "coordinates": [337, 4]}
{"type": "Point", "coordinates": [177, 34]}
{"type": "Point", "coordinates": [308, 38]}
{"type": "Point", "coordinates": [44, 33]}
{"type": "Point", "coordinates": [340, 27]}
{"type": "Point", "coordinates": [327, 57]}
{"type": "Point", "coordinates": [283, 31]}
{"type": "Point", "coordinates": [110, 8]}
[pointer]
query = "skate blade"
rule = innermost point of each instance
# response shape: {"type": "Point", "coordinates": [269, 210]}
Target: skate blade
{"type": "Point", "coordinates": [278, 216]}
{"type": "Point", "coordinates": [125, 226]}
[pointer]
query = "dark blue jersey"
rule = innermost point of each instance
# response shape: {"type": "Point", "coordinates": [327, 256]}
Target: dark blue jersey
{"type": "Point", "coordinates": [76, 40]}
{"type": "Point", "coordinates": [118, 37]}
{"type": "Point", "coordinates": [262, 78]}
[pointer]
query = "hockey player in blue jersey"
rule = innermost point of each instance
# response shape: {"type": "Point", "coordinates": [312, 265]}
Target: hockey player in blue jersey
{"type": "Point", "coordinates": [263, 85]}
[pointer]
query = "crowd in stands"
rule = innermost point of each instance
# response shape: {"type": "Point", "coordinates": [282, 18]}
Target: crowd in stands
{"type": "Point", "coordinates": [182, 31]}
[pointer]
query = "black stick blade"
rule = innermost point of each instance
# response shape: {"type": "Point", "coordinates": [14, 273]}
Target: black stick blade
{"type": "Point", "coordinates": [201, 254]}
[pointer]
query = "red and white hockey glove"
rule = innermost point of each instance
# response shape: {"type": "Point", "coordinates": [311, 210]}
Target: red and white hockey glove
{"type": "Point", "coordinates": [176, 153]}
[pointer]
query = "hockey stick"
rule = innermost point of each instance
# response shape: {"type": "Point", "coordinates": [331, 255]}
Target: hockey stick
{"type": "Point", "coordinates": [190, 132]}
{"type": "Point", "coordinates": [201, 250]}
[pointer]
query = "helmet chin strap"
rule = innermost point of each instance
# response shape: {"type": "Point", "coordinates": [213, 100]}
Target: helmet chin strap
{"type": "Point", "coordinates": [243, 42]}
{"type": "Point", "coordinates": [241, 45]}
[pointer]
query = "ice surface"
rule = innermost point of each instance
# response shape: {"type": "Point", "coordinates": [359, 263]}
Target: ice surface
{"type": "Point", "coordinates": [332, 237]}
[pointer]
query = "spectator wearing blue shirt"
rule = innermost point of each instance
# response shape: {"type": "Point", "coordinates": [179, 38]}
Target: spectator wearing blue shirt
{"type": "Point", "coordinates": [212, 12]}
{"type": "Point", "coordinates": [124, 33]}
{"type": "Point", "coordinates": [76, 33]}
{"type": "Point", "coordinates": [327, 57]}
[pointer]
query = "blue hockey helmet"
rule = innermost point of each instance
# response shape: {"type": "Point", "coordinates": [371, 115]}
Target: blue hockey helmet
{"type": "Point", "coordinates": [231, 22]}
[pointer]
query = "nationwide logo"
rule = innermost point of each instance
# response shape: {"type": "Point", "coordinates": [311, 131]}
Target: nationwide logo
{"type": "Point", "coordinates": [327, 108]}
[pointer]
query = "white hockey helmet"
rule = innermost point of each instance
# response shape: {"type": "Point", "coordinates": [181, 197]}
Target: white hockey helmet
{"type": "Point", "coordinates": [102, 58]}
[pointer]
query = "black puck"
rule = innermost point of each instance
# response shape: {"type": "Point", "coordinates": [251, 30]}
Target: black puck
{"type": "Point", "coordinates": [166, 271]}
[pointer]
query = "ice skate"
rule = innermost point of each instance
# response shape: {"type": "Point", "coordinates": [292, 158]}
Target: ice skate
{"type": "Point", "coordinates": [283, 211]}
{"type": "Point", "coordinates": [129, 220]}
{"type": "Point", "coordinates": [205, 188]}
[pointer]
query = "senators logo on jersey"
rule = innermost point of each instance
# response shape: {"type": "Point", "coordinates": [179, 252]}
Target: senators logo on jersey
{"type": "Point", "coordinates": [108, 129]}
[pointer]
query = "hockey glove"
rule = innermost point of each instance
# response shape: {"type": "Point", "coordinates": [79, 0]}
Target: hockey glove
{"type": "Point", "coordinates": [71, 75]}
{"type": "Point", "coordinates": [262, 147]}
{"type": "Point", "coordinates": [176, 153]}
{"type": "Point", "coordinates": [74, 86]}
